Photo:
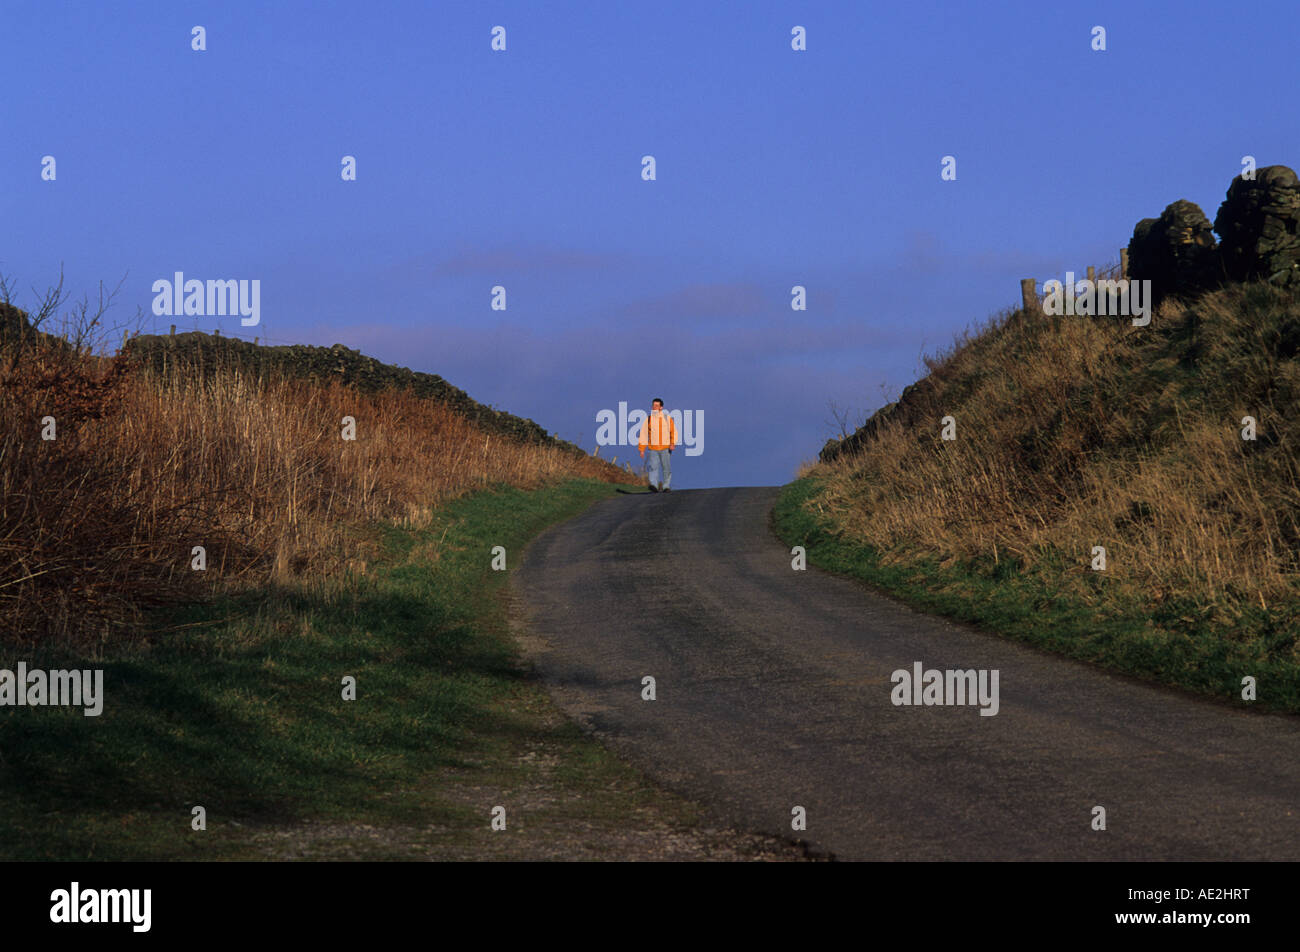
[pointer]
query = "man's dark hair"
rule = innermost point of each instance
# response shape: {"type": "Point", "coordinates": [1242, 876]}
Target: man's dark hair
{"type": "Point", "coordinates": [658, 400]}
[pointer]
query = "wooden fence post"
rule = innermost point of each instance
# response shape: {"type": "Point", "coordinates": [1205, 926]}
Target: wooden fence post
{"type": "Point", "coordinates": [1029, 294]}
{"type": "Point", "coordinates": [1092, 274]}
{"type": "Point", "coordinates": [1123, 262]}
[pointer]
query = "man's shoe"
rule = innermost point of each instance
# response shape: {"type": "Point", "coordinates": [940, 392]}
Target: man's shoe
{"type": "Point", "coordinates": [666, 490]}
{"type": "Point", "coordinates": [652, 488]}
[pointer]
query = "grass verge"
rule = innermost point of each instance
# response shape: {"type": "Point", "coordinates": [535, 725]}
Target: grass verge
{"type": "Point", "coordinates": [236, 706]}
{"type": "Point", "coordinates": [1181, 641]}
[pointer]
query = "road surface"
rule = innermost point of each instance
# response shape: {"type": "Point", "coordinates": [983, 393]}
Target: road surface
{"type": "Point", "coordinates": [773, 691]}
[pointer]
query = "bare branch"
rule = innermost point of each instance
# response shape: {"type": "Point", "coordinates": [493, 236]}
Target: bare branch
{"type": "Point", "coordinates": [839, 418]}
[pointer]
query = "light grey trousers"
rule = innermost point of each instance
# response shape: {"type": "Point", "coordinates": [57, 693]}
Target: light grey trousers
{"type": "Point", "coordinates": [661, 461]}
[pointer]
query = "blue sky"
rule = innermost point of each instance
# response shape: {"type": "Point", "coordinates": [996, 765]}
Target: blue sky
{"type": "Point", "coordinates": [522, 169]}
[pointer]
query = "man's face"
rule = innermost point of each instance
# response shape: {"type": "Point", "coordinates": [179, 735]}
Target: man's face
{"type": "Point", "coordinates": [657, 406]}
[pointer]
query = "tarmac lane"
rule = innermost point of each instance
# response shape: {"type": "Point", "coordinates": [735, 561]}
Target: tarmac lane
{"type": "Point", "coordinates": [775, 689]}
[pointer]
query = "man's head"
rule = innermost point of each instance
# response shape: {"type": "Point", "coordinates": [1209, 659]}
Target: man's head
{"type": "Point", "coordinates": [656, 405]}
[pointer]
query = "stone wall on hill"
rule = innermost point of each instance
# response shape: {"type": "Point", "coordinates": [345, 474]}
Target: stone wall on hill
{"type": "Point", "coordinates": [1258, 224]}
{"type": "Point", "coordinates": [1259, 227]}
{"type": "Point", "coordinates": [1176, 251]}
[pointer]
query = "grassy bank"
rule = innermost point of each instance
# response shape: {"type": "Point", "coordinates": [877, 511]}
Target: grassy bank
{"type": "Point", "coordinates": [1179, 642]}
{"type": "Point", "coordinates": [1070, 434]}
{"type": "Point", "coordinates": [238, 708]}
{"type": "Point", "coordinates": [116, 475]}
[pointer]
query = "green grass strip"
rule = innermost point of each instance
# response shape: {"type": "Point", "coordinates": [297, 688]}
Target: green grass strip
{"type": "Point", "coordinates": [242, 711]}
{"type": "Point", "coordinates": [1184, 642]}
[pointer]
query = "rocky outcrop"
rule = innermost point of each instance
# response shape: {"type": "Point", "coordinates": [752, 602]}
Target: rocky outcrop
{"type": "Point", "coordinates": [1175, 252]}
{"type": "Point", "coordinates": [1259, 225]}
{"type": "Point", "coordinates": [1259, 228]}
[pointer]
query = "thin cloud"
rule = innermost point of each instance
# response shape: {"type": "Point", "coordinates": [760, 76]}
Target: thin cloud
{"type": "Point", "coordinates": [518, 259]}
{"type": "Point", "coordinates": [726, 300]}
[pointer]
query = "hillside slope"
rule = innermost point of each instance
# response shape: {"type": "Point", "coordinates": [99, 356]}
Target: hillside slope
{"type": "Point", "coordinates": [210, 353]}
{"type": "Point", "coordinates": [1075, 434]}
{"type": "Point", "coordinates": [183, 467]}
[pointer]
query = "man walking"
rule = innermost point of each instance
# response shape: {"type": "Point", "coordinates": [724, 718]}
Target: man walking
{"type": "Point", "coordinates": [659, 435]}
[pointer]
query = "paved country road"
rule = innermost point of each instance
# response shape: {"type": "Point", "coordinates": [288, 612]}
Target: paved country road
{"type": "Point", "coordinates": [773, 690]}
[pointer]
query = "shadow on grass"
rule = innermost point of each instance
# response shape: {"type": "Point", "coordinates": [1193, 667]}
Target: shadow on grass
{"type": "Point", "coordinates": [258, 732]}
{"type": "Point", "coordinates": [238, 706]}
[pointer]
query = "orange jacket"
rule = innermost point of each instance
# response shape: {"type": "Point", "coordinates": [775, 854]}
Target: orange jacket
{"type": "Point", "coordinates": [655, 435]}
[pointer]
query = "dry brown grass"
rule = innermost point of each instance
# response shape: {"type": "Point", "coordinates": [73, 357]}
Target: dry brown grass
{"type": "Point", "coordinates": [100, 522]}
{"type": "Point", "coordinates": [1076, 432]}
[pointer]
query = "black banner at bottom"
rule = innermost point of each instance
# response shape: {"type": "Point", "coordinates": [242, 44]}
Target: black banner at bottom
{"type": "Point", "coordinates": [129, 902]}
